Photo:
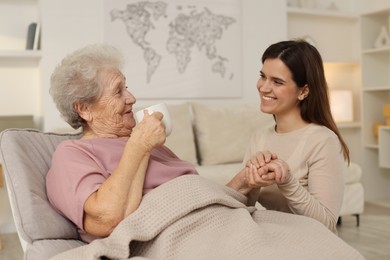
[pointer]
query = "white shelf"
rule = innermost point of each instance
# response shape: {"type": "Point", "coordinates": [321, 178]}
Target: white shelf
{"type": "Point", "coordinates": [322, 12]}
{"type": "Point", "coordinates": [376, 89]}
{"type": "Point", "coordinates": [348, 125]}
{"type": "Point", "coordinates": [372, 146]}
{"type": "Point", "coordinates": [376, 50]}
{"type": "Point", "coordinates": [384, 147]}
{"type": "Point", "coordinates": [377, 13]}
{"type": "Point", "coordinates": [23, 54]}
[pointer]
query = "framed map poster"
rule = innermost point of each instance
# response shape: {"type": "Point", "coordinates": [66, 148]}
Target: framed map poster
{"type": "Point", "coordinates": [178, 49]}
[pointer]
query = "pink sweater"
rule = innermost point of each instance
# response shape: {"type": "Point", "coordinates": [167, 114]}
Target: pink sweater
{"type": "Point", "coordinates": [79, 167]}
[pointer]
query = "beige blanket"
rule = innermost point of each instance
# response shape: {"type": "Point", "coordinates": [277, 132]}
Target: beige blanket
{"type": "Point", "coordinates": [194, 218]}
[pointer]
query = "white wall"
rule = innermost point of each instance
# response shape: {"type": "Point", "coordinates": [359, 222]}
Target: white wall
{"type": "Point", "coordinates": [66, 28]}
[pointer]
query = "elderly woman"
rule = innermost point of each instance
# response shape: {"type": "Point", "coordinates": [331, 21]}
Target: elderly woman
{"type": "Point", "coordinates": [100, 179]}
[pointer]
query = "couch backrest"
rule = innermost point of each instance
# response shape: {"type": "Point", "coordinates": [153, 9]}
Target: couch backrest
{"type": "Point", "coordinates": [25, 155]}
{"type": "Point", "coordinates": [223, 132]}
{"type": "Point", "coordinates": [212, 134]}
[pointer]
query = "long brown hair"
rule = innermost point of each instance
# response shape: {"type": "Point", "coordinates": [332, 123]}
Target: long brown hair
{"type": "Point", "coordinates": [306, 66]}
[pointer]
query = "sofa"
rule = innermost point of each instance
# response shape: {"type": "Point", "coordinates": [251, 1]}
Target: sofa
{"type": "Point", "coordinates": [212, 137]}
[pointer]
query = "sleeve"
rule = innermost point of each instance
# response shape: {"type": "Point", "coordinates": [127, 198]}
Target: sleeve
{"type": "Point", "coordinates": [323, 198]}
{"type": "Point", "coordinates": [73, 176]}
{"type": "Point", "coordinates": [253, 146]}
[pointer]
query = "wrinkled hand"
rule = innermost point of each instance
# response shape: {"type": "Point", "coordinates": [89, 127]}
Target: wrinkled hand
{"type": "Point", "coordinates": [150, 132]}
{"type": "Point", "coordinates": [261, 158]}
{"type": "Point", "coordinates": [258, 177]}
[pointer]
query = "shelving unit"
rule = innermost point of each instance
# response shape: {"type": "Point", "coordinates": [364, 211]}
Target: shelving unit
{"type": "Point", "coordinates": [20, 74]}
{"type": "Point", "coordinates": [375, 93]}
{"type": "Point", "coordinates": [384, 147]}
{"type": "Point", "coordinates": [352, 125]}
{"type": "Point", "coordinates": [322, 12]}
{"type": "Point", "coordinates": [375, 75]}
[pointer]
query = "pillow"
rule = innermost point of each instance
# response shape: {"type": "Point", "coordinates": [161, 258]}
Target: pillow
{"type": "Point", "coordinates": [181, 141]}
{"type": "Point", "coordinates": [26, 157]}
{"type": "Point", "coordinates": [223, 132]}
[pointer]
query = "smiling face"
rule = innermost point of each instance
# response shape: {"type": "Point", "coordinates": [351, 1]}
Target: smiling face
{"type": "Point", "coordinates": [111, 115]}
{"type": "Point", "coordinates": [279, 94]}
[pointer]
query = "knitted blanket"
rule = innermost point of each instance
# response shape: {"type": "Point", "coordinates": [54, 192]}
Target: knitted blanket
{"type": "Point", "coordinates": [191, 217]}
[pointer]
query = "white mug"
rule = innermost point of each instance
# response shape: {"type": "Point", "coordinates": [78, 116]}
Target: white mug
{"type": "Point", "coordinates": [162, 108]}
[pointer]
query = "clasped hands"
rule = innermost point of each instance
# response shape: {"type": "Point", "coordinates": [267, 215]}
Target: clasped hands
{"type": "Point", "coordinates": [264, 169]}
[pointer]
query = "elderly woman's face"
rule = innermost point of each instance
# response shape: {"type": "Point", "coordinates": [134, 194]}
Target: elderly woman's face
{"type": "Point", "coordinates": [112, 113]}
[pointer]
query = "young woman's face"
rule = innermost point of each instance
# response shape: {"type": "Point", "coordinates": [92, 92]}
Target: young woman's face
{"type": "Point", "coordinates": [112, 113]}
{"type": "Point", "coordinates": [277, 89]}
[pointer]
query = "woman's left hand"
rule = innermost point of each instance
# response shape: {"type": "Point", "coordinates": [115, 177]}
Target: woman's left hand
{"type": "Point", "coordinates": [278, 170]}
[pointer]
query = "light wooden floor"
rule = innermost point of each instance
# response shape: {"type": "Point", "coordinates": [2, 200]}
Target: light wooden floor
{"type": "Point", "coordinates": [371, 239]}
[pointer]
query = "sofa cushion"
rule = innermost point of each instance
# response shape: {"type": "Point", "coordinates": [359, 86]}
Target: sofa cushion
{"type": "Point", "coordinates": [223, 132]}
{"type": "Point", "coordinates": [181, 141]}
{"type": "Point", "coordinates": [26, 158]}
{"type": "Point", "coordinates": [220, 173]}
{"type": "Point", "coordinates": [45, 249]}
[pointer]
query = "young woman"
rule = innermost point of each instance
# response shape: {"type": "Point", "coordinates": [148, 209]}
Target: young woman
{"type": "Point", "coordinates": [304, 143]}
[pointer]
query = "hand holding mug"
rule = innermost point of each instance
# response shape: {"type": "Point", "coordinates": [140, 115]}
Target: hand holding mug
{"type": "Point", "coordinates": [162, 108]}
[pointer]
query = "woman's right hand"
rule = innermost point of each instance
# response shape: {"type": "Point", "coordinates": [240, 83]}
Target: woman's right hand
{"type": "Point", "coordinates": [150, 131]}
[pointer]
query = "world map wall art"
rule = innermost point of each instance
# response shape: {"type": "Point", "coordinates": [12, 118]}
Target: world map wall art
{"type": "Point", "coordinates": [178, 49]}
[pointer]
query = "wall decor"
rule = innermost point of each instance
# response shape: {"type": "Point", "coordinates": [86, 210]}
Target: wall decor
{"type": "Point", "coordinates": [308, 3]}
{"type": "Point", "coordinates": [178, 49]}
{"type": "Point", "coordinates": [383, 38]}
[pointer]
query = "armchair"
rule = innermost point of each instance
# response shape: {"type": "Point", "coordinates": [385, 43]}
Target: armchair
{"type": "Point", "coordinates": [25, 155]}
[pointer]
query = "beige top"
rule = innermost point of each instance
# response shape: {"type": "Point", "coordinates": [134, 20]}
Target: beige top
{"type": "Point", "coordinates": [316, 186]}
